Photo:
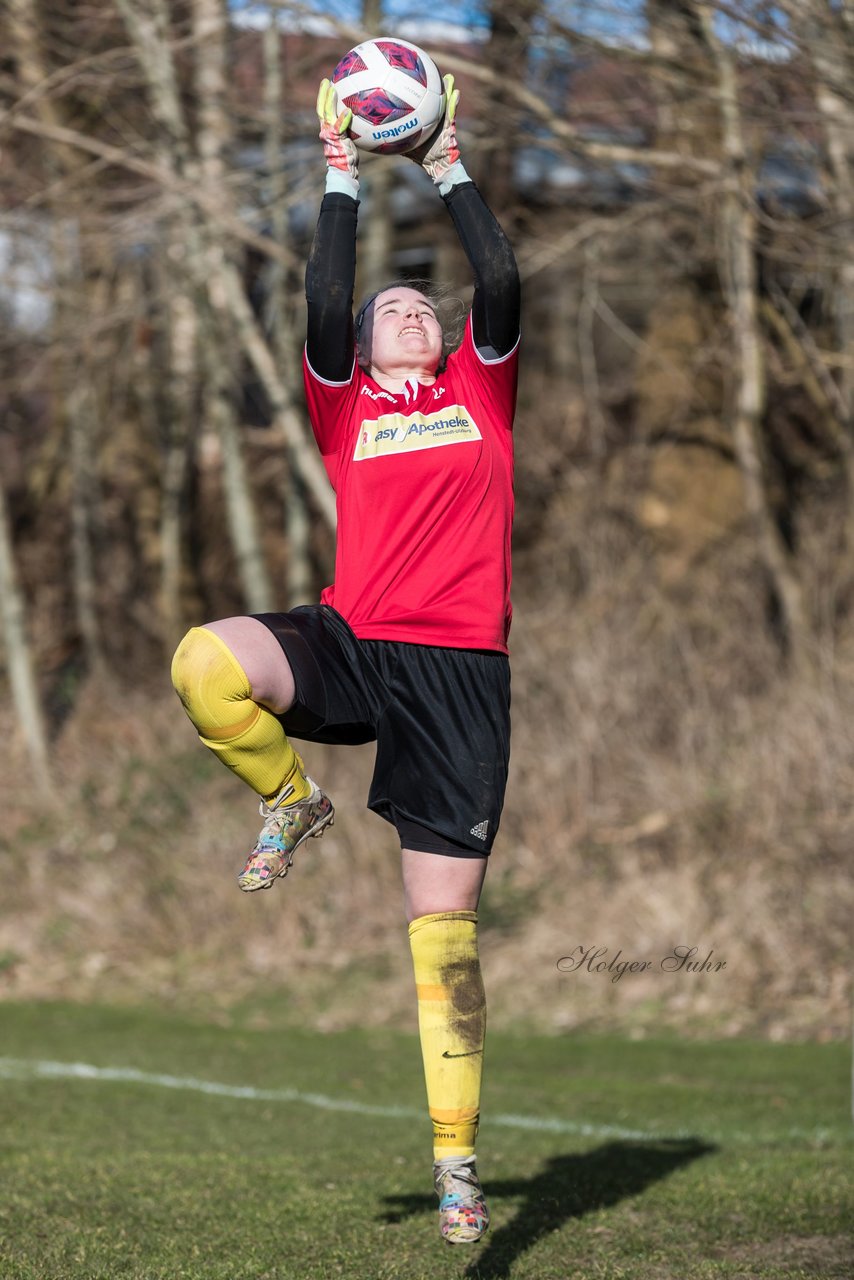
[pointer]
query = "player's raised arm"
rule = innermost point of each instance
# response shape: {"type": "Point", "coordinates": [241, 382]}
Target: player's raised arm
{"type": "Point", "coordinates": [496, 303]}
{"type": "Point", "coordinates": [331, 270]}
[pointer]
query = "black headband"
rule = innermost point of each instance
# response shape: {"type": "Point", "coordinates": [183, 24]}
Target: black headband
{"type": "Point", "coordinates": [363, 311]}
{"type": "Point", "coordinates": [359, 318]}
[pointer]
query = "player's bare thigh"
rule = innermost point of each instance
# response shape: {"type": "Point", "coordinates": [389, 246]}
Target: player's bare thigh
{"type": "Point", "coordinates": [261, 657]}
{"type": "Point", "coordinates": [435, 882]}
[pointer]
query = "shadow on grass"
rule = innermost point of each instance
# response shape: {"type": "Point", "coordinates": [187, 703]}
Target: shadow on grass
{"type": "Point", "coordinates": [567, 1187]}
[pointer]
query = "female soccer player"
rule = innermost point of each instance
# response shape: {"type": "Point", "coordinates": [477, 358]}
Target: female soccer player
{"type": "Point", "coordinates": [409, 647]}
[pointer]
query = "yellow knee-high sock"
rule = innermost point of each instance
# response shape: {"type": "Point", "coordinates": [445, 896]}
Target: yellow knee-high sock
{"type": "Point", "coordinates": [247, 737]}
{"type": "Point", "coordinates": [452, 1023]}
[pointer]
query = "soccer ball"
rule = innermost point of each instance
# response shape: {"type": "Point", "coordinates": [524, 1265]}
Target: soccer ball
{"type": "Point", "coordinates": [395, 93]}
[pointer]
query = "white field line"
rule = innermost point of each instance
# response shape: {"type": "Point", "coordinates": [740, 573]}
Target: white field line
{"type": "Point", "coordinates": [29, 1069]}
{"type": "Point", "coordinates": [39, 1069]}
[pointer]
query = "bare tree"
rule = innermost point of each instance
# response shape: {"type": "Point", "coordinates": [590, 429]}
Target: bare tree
{"type": "Point", "coordinates": [511, 35]}
{"type": "Point", "coordinates": [74, 368]}
{"type": "Point", "coordinates": [826, 33]}
{"type": "Point", "coordinates": [19, 656]}
{"type": "Point", "coordinates": [213, 136]}
{"type": "Point", "coordinates": [738, 260]}
{"type": "Point", "coordinates": [680, 81]}
{"type": "Point", "coordinates": [61, 164]}
{"type": "Point", "coordinates": [182, 333]}
{"type": "Point", "coordinates": [207, 260]}
{"type": "Point", "coordinates": [279, 316]}
{"type": "Point", "coordinates": [828, 36]}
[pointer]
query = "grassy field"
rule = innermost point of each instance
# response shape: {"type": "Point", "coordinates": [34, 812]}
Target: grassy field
{"type": "Point", "coordinates": [602, 1157]}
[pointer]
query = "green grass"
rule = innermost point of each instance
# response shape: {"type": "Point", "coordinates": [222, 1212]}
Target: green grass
{"type": "Point", "coordinates": [747, 1170]}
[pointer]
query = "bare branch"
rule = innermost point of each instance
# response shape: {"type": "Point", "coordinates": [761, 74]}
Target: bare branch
{"type": "Point", "coordinates": [190, 192]}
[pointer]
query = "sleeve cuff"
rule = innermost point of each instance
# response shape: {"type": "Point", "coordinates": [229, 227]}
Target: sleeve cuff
{"type": "Point", "coordinates": [453, 177]}
{"type": "Point", "coordinates": [342, 183]}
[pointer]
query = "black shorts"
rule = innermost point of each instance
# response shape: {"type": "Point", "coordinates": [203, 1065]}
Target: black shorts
{"type": "Point", "coordinates": [440, 718]}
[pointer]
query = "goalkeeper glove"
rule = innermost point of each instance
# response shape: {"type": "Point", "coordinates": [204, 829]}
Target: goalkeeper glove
{"type": "Point", "coordinates": [342, 158]}
{"type": "Point", "coordinates": [440, 155]}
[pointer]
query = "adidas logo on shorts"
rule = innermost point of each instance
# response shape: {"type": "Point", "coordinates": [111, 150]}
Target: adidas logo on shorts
{"type": "Point", "coordinates": [480, 830]}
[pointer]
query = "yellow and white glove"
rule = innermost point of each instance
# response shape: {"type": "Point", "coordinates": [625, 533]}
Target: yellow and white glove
{"type": "Point", "coordinates": [440, 155]}
{"type": "Point", "coordinates": [342, 158]}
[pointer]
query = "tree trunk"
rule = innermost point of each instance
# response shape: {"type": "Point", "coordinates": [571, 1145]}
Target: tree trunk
{"type": "Point", "coordinates": [737, 232]}
{"type": "Point", "coordinates": [588, 365]}
{"type": "Point", "coordinates": [375, 243]}
{"type": "Point", "coordinates": [70, 363]}
{"type": "Point", "coordinates": [829, 46]}
{"type": "Point", "coordinates": [147, 22]}
{"type": "Point", "coordinates": [511, 30]}
{"type": "Point", "coordinates": [81, 420]}
{"type": "Point", "coordinates": [228, 297]}
{"type": "Point", "coordinates": [687, 121]}
{"type": "Point", "coordinates": [284, 341]}
{"type": "Point", "coordinates": [219, 378]}
{"type": "Point", "coordinates": [212, 141]}
{"type": "Point", "coordinates": [182, 329]}
{"type": "Point", "coordinates": [19, 658]}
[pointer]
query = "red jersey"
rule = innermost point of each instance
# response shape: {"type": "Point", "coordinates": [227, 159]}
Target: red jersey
{"type": "Point", "coordinates": [424, 486]}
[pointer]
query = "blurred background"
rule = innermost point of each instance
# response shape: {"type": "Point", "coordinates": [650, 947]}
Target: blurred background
{"type": "Point", "coordinates": [676, 178]}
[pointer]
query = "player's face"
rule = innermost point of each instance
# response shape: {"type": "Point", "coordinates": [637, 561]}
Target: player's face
{"type": "Point", "coordinates": [404, 335]}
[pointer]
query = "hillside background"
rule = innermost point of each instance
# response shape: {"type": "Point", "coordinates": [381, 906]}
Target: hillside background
{"type": "Point", "coordinates": [677, 181]}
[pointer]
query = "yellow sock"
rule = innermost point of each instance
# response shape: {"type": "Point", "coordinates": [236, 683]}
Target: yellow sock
{"type": "Point", "coordinates": [247, 737]}
{"type": "Point", "coordinates": [452, 1023]}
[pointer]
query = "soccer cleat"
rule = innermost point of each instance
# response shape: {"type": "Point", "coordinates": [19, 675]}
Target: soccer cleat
{"type": "Point", "coordinates": [463, 1215]}
{"type": "Point", "coordinates": [285, 828]}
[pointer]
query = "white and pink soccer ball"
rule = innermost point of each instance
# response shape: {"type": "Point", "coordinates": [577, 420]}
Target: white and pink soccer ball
{"type": "Point", "coordinates": [395, 92]}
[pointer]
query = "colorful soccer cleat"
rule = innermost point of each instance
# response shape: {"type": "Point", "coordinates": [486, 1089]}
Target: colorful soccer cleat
{"type": "Point", "coordinates": [286, 826]}
{"type": "Point", "coordinates": [463, 1215]}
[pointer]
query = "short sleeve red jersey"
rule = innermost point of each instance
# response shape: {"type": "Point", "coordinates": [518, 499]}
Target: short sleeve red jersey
{"type": "Point", "coordinates": [424, 486]}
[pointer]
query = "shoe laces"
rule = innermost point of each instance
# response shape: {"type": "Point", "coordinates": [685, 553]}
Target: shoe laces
{"type": "Point", "coordinates": [458, 1178]}
{"type": "Point", "coordinates": [276, 817]}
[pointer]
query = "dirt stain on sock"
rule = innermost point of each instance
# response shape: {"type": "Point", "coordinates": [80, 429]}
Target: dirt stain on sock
{"type": "Point", "coordinates": [464, 983]}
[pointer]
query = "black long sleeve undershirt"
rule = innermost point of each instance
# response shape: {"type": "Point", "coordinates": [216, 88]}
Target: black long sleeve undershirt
{"type": "Point", "coordinates": [330, 278]}
{"type": "Point", "coordinates": [496, 302]}
{"type": "Point", "coordinates": [331, 273]}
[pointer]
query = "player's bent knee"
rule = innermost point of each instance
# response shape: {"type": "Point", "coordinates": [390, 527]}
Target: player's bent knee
{"type": "Point", "coordinates": [213, 686]}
